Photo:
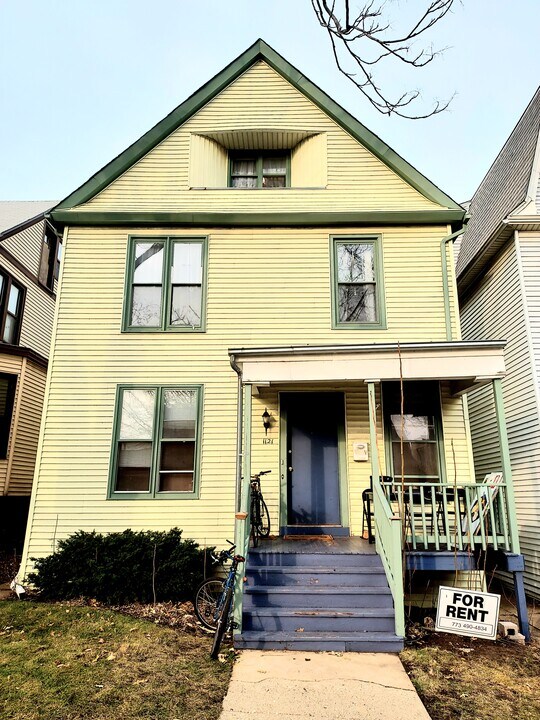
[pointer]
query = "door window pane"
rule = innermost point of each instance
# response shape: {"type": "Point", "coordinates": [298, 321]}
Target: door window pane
{"type": "Point", "coordinates": [137, 420]}
{"type": "Point", "coordinates": [146, 306]}
{"type": "Point", "coordinates": [179, 413]}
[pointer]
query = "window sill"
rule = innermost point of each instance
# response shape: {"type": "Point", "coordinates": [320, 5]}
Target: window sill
{"type": "Point", "coordinates": [173, 330]}
{"type": "Point", "coordinates": [255, 189]}
{"type": "Point", "coordinates": [149, 496]}
{"type": "Point", "coordinates": [360, 326]}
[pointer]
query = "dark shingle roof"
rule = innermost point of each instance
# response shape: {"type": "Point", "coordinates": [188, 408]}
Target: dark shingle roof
{"type": "Point", "coordinates": [503, 188]}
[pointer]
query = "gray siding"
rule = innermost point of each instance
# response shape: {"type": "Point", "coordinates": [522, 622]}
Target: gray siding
{"type": "Point", "coordinates": [26, 246]}
{"type": "Point", "coordinates": [497, 311]}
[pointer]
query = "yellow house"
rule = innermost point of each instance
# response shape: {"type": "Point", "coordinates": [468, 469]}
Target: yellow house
{"type": "Point", "coordinates": [243, 289]}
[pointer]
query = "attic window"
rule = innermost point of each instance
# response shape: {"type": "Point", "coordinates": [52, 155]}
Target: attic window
{"type": "Point", "coordinates": [259, 170]}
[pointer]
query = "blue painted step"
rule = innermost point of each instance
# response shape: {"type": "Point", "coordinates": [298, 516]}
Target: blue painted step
{"type": "Point", "coordinates": [336, 642]}
{"type": "Point", "coordinates": [321, 559]}
{"type": "Point", "coordinates": [342, 620]}
{"type": "Point", "coordinates": [316, 597]}
{"type": "Point", "coordinates": [343, 576]}
{"type": "Point", "coordinates": [317, 600]}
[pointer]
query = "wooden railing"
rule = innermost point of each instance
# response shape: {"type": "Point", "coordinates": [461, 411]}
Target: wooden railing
{"type": "Point", "coordinates": [446, 517]}
{"type": "Point", "coordinates": [388, 539]}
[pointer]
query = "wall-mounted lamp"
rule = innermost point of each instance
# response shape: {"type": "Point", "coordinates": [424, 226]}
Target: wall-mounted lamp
{"type": "Point", "coordinates": [267, 420]}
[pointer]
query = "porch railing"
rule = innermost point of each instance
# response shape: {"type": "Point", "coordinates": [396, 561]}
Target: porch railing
{"type": "Point", "coordinates": [438, 516]}
{"type": "Point", "coordinates": [388, 539]}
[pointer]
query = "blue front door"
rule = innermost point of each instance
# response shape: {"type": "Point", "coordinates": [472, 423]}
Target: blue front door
{"type": "Point", "coordinates": [313, 422]}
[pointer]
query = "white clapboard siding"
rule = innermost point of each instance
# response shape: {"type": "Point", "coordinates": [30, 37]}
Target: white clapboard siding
{"type": "Point", "coordinates": [496, 311]}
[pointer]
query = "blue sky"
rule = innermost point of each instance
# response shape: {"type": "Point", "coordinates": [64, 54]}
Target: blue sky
{"type": "Point", "coordinates": [81, 80]}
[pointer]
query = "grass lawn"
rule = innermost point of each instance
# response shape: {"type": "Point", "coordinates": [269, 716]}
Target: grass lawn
{"type": "Point", "coordinates": [61, 662]}
{"type": "Point", "coordinates": [463, 679]}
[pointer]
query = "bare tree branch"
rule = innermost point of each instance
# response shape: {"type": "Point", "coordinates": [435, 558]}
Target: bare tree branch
{"type": "Point", "coordinates": [363, 40]}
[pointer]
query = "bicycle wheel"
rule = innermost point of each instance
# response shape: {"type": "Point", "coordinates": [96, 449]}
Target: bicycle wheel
{"type": "Point", "coordinates": [206, 601]}
{"type": "Point", "coordinates": [264, 525]}
{"type": "Point", "coordinates": [222, 624]}
{"type": "Point", "coordinates": [255, 522]}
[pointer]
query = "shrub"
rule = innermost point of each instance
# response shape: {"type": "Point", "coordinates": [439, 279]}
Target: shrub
{"type": "Point", "coordinates": [121, 567]}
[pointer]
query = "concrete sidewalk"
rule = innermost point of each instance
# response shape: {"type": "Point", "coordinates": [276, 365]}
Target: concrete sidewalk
{"type": "Point", "coordinates": [270, 685]}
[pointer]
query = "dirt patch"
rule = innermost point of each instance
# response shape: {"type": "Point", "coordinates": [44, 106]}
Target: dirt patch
{"type": "Point", "coordinates": [461, 678]}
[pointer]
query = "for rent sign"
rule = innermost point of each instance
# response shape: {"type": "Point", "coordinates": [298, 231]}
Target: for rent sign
{"type": "Point", "coordinates": [465, 612]}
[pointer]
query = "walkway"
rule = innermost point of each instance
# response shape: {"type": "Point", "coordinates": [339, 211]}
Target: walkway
{"type": "Point", "coordinates": [276, 685]}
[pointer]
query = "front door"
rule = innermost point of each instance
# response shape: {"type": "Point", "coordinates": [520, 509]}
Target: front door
{"type": "Point", "coordinates": [314, 422]}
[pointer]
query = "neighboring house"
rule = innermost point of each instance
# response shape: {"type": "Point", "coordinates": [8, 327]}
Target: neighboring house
{"type": "Point", "coordinates": [260, 255]}
{"type": "Point", "coordinates": [29, 258]}
{"type": "Point", "coordinates": [498, 273]}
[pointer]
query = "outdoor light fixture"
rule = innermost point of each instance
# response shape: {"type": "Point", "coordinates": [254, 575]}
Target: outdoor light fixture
{"type": "Point", "coordinates": [266, 418]}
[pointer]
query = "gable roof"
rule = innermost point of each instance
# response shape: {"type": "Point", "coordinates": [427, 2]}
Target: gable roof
{"type": "Point", "coordinates": [258, 51]}
{"type": "Point", "coordinates": [501, 192]}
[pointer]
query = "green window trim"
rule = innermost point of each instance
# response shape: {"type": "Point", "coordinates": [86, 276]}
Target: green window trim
{"type": "Point", "coordinates": [439, 439]}
{"type": "Point", "coordinates": [380, 306]}
{"type": "Point", "coordinates": [168, 241]}
{"type": "Point", "coordinates": [258, 155]}
{"type": "Point", "coordinates": [156, 441]}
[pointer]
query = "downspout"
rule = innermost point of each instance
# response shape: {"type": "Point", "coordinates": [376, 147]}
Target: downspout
{"type": "Point", "coordinates": [446, 289]}
{"type": "Point", "coordinates": [239, 430]}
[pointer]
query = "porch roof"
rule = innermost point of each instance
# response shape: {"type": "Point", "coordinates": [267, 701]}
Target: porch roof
{"type": "Point", "coordinates": [466, 364]}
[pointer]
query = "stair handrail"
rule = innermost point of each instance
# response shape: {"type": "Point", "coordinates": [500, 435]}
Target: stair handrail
{"type": "Point", "coordinates": [388, 543]}
{"type": "Point", "coordinates": [242, 530]}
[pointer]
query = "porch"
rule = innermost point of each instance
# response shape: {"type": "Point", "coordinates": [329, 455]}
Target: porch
{"type": "Point", "coordinates": [428, 523]}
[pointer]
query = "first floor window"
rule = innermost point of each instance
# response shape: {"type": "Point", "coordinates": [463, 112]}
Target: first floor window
{"type": "Point", "coordinates": [358, 296]}
{"type": "Point", "coordinates": [11, 304]}
{"type": "Point", "coordinates": [420, 428]}
{"type": "Point", "coordinates": [166, 284]}
{"type": "Point", "coordinates": [8, 384]}
{"type": "Point", "coordinates": [156, 443]}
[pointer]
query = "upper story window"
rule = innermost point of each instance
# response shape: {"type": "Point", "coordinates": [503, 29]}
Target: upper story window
{"type": "Point", "coordinates": [357, 283]}
{"type": "Point", "coordinates": [51, 253]}
{"type": "Point", "coordinates": [11, 308]}
{"type": "Point", "coordinates": [166, 280]}
{"type": "Point", "coordinates": [259, 170]}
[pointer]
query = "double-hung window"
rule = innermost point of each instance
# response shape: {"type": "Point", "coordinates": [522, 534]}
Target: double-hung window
{"type": "Point", "coordinates": [420, 429]}
{"type": "Point", "coordinates": [166, 282]}
{"type": "Point", "coordinates": [11, 309]}
{"type": "Point", "coordinates": [156, 444]}
{"type": "Point", "coordinates": [357, 283]}
{"type": "Point", "coordinates": [259, 170]}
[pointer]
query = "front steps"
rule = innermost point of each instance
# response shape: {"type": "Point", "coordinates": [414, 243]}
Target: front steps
{"type": "Point", "coordinates": [338, 601]}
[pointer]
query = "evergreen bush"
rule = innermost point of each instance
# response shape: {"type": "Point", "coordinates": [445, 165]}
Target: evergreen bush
{"type": "Point", "coordinates": [121, 567]}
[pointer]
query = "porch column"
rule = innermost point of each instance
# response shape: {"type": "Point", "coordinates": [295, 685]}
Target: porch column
{"type": "Point", "coordinates": [372, 408]}
{"type": "Point", "coordinates": [241, 525]}
{"type": "Point", "coordinates": [505, 464]}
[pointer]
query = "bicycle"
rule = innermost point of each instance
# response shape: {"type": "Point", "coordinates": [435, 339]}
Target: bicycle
{"type": "Point", "coordinates": [259, 516]}
{"type": "Point", "coordinates": [214, 597]}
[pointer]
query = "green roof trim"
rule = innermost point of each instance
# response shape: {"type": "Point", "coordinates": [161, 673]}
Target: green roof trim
{"type": "Point", "coordinates": [269, 219]}
{"type": "Point", "coordinates": [258, 51]}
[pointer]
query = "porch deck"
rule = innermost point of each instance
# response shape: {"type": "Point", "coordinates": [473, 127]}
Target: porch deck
{"type": "Point", "coordinates": [336, 546]}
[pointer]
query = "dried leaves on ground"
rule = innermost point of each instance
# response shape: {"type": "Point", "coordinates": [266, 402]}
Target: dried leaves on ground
{"type": "Point", "coordinates": [461, 678]}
